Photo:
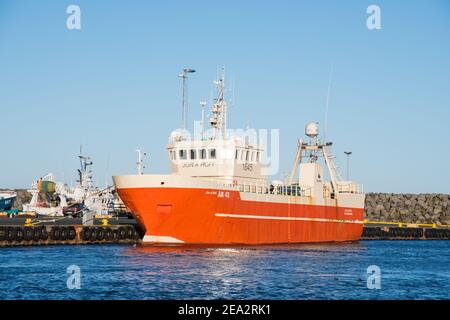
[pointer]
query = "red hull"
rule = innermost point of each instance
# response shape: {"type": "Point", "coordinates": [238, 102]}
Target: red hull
{"type": "Point", "coordinates": [200, 216]}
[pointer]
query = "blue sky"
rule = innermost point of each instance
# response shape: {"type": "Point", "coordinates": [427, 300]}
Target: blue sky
{"type": "Point", "coordinates": [112, 86]}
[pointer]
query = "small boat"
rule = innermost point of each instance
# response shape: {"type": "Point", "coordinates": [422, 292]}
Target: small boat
{"type": "Point", "coordinates": [7, 199]}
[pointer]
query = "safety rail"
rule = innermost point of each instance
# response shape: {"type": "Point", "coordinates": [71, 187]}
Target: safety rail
{"type": "Point", "coordinates": [349, 187]}
{"type": "Point", "coordinates": [282, 190]}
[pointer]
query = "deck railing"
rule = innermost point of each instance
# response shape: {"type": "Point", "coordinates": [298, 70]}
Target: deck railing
{"type": "Point", "coordinates": [295, 189]}
{"type": "Point", "coordinates": [349, 187]}
{"type": "Point", "coordinates": [283, 190]}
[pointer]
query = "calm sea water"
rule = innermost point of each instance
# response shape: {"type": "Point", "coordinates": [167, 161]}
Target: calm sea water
{"type": "Point", "coordinates": [409, 270]}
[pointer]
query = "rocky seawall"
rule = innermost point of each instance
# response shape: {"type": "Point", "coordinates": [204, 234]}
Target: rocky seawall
{"type": "Point", "coordinates": [410, 208]}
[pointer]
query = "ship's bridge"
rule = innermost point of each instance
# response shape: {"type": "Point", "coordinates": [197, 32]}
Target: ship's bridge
{"type": "Point", "coordinates": [215, 154]}
{"type": "Point", "coordinates": [231, 160]}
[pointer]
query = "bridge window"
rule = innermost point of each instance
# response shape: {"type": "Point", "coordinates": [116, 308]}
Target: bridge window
{"type": "Point", "coordinates": [183, 155]}
{"type": "Point", "coordinates": [193, 154]}
{"type": "Point", "coordinates": [203, 154]}
{"type": "Point", "coordinates": [247, 156]}
{"type": "Point", "coordinates": [212, 153]}
{"type": "Point", "coordinates": [253, 156]}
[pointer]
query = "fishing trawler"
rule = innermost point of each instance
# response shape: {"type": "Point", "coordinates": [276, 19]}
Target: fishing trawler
{"type": "Point", "coordinates": [218, 193]}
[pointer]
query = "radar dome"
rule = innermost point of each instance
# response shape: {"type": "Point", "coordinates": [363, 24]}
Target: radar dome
{"type": "Point", "coordinates": [312, 129]}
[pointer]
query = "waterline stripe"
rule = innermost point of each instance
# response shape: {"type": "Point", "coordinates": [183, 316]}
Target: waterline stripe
{"type": "Point", "coordinates": [248, 216]}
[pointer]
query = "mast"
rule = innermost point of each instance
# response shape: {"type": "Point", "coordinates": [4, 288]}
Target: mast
{"type": "Point", "coordinates": [184, 99]}
{"type": "Point", "coordinates": [202, 106]}
{"type": "Point", "coordinates": [218, 120]}
{"type": "Point", "coordinates": [84, 172]}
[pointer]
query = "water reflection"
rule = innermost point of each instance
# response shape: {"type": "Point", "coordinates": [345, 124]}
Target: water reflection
{"type": "Point", "coordinates": [242, 271]}
{"type": "Point", "coordinates": [318, 247]}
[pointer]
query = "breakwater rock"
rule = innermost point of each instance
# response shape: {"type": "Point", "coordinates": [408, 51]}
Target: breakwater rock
{"type": "Point", "coordinates": [410, 208]}
{"type": "Point", "coordinates": [23, 196]}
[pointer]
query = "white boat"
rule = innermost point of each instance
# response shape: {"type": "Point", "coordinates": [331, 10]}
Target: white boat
{"type": "Point", "coordinates": [52, 198]}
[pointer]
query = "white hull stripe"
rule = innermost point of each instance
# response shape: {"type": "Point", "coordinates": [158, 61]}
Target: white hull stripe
{"type": "Point", "coordinates": [161, 239]}
{"type": "Point", "coordinates": [247, 216]}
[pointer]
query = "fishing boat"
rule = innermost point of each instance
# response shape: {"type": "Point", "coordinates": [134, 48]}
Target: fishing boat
{"type": "Point", "coordinates": [53, 198]}
{"type": "Point", "coordinates": [7, 199]}
{"type": "Point", "coordinates": [218, 192]}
